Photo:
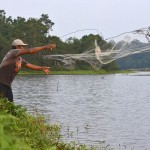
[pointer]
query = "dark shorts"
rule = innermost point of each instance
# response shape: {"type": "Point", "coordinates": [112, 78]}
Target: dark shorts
{"type": "Point", "coordinates": [6, 92]}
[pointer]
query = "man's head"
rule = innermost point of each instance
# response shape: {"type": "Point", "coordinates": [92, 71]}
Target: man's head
{"type": "Point", "coordinates": [18, 44]}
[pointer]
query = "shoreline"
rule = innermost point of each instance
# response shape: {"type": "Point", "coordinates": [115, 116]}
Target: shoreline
{"type": "Point", "coordinates": [76, 72]}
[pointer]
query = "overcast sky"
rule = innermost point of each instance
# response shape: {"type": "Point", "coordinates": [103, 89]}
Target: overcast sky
{"type": "Point", "coordinates": [109, 17]}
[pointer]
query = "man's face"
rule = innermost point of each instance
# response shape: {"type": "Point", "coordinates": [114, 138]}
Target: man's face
{"type": "Point", "coordinates": [20, 47]}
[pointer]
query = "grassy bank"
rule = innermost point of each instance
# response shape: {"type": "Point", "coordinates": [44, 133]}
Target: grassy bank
{"type": "Point", "coordinates": [22, 131]}
{"type": "Point", "coordinates": [74, 72]}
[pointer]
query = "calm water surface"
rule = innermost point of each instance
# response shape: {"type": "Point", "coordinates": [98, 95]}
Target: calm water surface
{"type": "Point", "coordinates": [92, 108]}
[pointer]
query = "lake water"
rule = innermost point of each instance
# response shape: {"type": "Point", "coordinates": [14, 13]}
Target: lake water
{"type": "Point", "coordinates": [92, 109]}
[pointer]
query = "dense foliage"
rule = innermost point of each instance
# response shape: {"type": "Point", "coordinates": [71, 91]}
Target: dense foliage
{"type": "Point", "coordinates": [18, 130]}
{"type": "Point", "coordinates": [36, 32]}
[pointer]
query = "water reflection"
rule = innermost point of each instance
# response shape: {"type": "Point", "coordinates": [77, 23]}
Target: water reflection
{"type": "Point", "coordinates": [92, 108]}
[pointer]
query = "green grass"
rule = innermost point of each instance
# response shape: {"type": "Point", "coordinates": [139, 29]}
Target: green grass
{"type": "Point", "coordinates": [73, 72]}
{"type": "Point", "coordinates": [30, 72]}
{"type": "Point", "coordinates": [79, 72]}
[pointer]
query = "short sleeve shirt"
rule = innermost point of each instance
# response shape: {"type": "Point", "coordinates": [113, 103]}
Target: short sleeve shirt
{"type": "Point", "coordinates": [10, 66]}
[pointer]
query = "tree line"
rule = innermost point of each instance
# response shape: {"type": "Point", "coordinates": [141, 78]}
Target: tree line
{"type": "Point", "coordinates": [36, 32]}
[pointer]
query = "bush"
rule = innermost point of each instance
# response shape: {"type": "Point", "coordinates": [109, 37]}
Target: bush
{"type": "Point", "coordinates": [17, 126]}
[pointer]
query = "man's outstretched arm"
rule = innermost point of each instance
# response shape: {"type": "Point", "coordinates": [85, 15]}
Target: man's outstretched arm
{"type": "Point", "coordinates": [34, 67]}
{"type": "Point", "coordinates": [36, 49]}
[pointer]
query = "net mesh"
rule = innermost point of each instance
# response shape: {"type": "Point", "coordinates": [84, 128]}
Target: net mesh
{"type": "Point", "coordinates": [123, 45]}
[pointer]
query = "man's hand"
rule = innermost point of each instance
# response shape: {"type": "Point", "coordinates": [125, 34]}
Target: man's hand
{"type": "Point", "coordinates": [34, 67]}
{"type": "Point", "coordinates": [46, 70]}
{"type": "Point", "coordinates": [51, 46]}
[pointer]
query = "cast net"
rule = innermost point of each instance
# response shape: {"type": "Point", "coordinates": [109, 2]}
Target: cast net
{"type": "Point", "coordinates": [123, 45]}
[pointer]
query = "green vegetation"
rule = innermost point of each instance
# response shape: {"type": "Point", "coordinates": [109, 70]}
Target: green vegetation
{"type": "Point", "coordinates": [71, 72]}
{"type": "Point", "coordinates": [21, 131]}
{"type": "Point", "coordinates": [74, 72]}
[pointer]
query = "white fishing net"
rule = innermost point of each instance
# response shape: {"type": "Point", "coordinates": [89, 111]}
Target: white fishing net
{"type": "Point", "coordinates": [123, 45]}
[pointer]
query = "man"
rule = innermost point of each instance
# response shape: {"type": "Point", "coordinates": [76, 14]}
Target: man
{"type": "Point", "coordinates": [12, 63]}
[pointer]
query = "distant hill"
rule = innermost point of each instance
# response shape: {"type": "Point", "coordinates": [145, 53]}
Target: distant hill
{"type": "Point", "coordinates": [136, 61]}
